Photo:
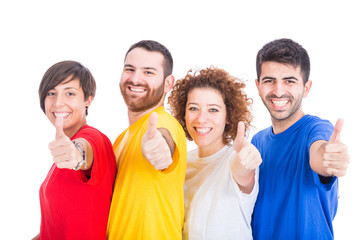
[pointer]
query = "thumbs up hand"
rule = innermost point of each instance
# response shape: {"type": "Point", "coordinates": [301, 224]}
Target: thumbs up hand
{"type": "Point", "coordinates": [336, 157]}
{"type": "Point", "coordinates": [154, 146]}
{"type": "Point", "coordinates": [245, 162]}
{"type": "Point", "coordinates": [246, 153]}
{"type": "Point", "coordinates": [65, 154]}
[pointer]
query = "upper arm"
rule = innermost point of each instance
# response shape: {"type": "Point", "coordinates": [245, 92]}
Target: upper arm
{"type": "Point", "coordinates": [166, 134]}
{"type": "Point", "coordinates": [88, 151]}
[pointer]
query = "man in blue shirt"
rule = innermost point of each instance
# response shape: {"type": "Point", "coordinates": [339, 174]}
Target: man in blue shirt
{"type": "Point", "coordinates": [302, 154]}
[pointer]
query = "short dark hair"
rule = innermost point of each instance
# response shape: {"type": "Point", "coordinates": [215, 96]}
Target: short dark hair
{"type": "Point", "coordinates": [58, 72]}
{"type": "Point", "coordinates": [154, 46]}
{"type": "Point", "coordinates": [284, 51]}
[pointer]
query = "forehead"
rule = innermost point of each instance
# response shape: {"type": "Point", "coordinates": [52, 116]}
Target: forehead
{"type": "Point", "coordinates": [69, 82]}
{"type": "Point", "coordinates": [208, 95]}
{"type": "Point", "coordinates": [141, 58]}
{"type": "Point", "coordinates": [276, 69]}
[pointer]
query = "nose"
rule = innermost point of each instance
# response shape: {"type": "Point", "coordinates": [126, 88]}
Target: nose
{"type": "Point", "coordinates": [279, 89]}
{"type": "Point", "coordinates": [135, 77]}
{"type": "Point", "coordinates": [59, 100]}
{"type": "Point", "coordinates": [202, 116]}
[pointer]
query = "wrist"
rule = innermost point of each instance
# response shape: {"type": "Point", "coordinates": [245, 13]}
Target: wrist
{"type": "Point", "coordinates": [79, 146]}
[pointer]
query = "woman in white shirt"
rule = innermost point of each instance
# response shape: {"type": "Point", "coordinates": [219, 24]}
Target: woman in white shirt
{"type": "Point", "coordinates": [221, 183]}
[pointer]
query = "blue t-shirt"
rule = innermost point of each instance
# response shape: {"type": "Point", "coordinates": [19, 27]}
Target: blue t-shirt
{"type": "Point", "coordinates": [293, 203]}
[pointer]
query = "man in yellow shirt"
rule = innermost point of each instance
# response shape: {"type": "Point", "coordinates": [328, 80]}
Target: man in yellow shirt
{"type": "Point", "coordinates": [151, 153]}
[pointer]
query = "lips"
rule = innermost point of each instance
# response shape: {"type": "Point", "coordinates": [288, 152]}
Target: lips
{"type": "Point", "coordinates": [202, 130]}
{"type": "Point", "coordinates": [280, 103]}
{"type": "Point", "coordinates": [63, 114]}
{"type": "Point", "coordinates": [137, 89]}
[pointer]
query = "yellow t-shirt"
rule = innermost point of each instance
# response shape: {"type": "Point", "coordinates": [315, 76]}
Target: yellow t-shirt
{"type": "Point", "coordinates": [147, 203]}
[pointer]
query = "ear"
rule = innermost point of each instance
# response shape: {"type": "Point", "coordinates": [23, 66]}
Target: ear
{"type": "Point", "coordinates": [257, 84]}
{"type": "Point", "coordinates": [307, 88]}
{"type": "Point", "coordinates": [169, 83]}
{"type": "Point", "coordinates": [89, 101]}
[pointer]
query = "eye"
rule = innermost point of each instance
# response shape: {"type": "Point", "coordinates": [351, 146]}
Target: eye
{"type": "Point", "coordinates": [149, 73]}
{"type": "Point", "coordinates": [268, 81]}
{"type": "Point", "coordinates": [290, 81]}
{"type": "Point", "coordinates": [192, 108]}
{"type": "Point", "coordinates": [128, 69]}
{"type": "Point", "coordinates": [70, 94]}
{"type": "Point", "coordinates": [50, 94]}
{"type": "Point", "coordinates": [213, 110]}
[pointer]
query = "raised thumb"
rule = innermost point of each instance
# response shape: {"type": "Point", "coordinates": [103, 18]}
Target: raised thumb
{"type": "Point", "coordinates": [151, 131]}
{"type": "Point", "coordinates": [240, 136]}
{"type": "Point", "coordinates": [335, 136]}
{"type": "Point", "coordinates": [59, 125]}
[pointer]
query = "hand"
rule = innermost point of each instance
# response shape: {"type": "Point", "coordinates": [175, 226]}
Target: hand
{"type": "Point", "coordinates": [154, 146]}
{"type": "Point", "coordinates": [65, 154]}
{"type": "Point", "coordinates": [246, 153]}
{"type": "Point", "coordinates": [336, 158]}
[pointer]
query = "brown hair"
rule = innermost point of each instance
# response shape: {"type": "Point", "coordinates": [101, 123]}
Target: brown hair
{"type": "Point", "coordinates": [236, 101]}
{"type": "Point", "coordinates": [153, 46]}
{"type": "Point", "coordinates": [58, 72]}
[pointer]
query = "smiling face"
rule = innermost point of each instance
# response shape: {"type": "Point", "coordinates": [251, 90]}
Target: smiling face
{"type": "Point", "coordinates": [67, 99]}
{"type": "Point", "coordinates": [281, 88]}
{"type": "Point", "coordinates": [205, 118]}
{"type": "Point", "coordinates": [142, 82]}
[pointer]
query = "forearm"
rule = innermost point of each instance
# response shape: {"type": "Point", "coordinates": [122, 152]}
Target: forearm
{"type": "Point", "coordinates": [243, 177]}
{"type": "Point", "coordinates": [317, 150]}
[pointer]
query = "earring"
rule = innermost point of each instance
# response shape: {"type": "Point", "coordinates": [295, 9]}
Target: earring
{"type": "Point", "coordinates": [86, 110]}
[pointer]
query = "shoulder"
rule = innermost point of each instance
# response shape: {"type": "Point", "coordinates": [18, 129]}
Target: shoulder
{"type": "Point", "coordinates": [165, 120]}
{"type": "Point", "coordinates": [260, 135]}
{"type": "Point", "coordinates": [315, 121]}
{"type": "Point", "coordinates": [92, 135]}
{"type": "Point", "coordinates": [315, 126]}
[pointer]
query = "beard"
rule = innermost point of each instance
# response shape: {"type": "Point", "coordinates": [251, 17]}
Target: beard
{"type": "Point", "coordinates": [281, 116]}
{"type": "Point", "coordinates": [151, 99]}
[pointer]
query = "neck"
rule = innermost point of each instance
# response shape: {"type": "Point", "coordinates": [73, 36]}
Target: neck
{"type": "Point", "coordinates": [135, 116]}
{"type": "Point", "coordinates": [280, 126]}
{"type": "Point", "coordinates": [71, 132]}
{"type": "Point", "coordinates": [207, 151]}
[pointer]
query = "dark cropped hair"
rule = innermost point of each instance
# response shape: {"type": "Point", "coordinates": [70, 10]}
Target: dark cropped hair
{"type": "Point", "coordinates": [236, 101]}
{"type": "Point", "coordinates": [58, 72]}
{"type": "Point", "coordinates": [284, 51]}
{"type": "Point", "coordinates": [154, 46]}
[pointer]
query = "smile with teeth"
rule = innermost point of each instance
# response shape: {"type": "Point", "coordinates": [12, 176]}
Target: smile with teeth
{"type": "Point", "coordinates": [280, 103]}
{"type": "Point", "coordinates": [202, 130]}
{"type": "Point", "coordinates": [139, 90]}
{"type": "Point", "coordinates": [63, 114]}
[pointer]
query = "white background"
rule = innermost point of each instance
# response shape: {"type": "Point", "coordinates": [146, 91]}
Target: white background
{"type": "Point", "coordinates": [227, 34]}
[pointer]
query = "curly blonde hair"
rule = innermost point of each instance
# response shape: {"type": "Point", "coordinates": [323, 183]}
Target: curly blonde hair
{"type": "Point", "coordinates": [231, 88]}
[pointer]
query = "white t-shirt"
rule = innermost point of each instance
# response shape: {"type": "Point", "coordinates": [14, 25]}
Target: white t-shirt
{"type": "Point", "coordinates": [215, 208]}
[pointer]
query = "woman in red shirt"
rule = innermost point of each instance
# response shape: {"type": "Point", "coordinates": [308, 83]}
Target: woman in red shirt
{"type": "Point", "coordinates": [76, 194]}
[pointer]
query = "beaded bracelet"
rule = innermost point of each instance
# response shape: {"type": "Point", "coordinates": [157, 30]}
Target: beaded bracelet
{"type": "Point", "coordinates": [81, 148]}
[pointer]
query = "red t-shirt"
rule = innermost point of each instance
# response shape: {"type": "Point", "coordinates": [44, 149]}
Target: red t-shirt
{"type": "Point", "coordinates": [73, 207]}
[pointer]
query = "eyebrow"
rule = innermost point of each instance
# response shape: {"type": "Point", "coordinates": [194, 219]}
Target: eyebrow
{"type": "Point", "coordinates": [146, 68]}
{"type": "Point", "coordinates": [285, 78]}
{"type": "Point", "coordinates": [290, 78]}
{"type": "Point", "coordinates": [209, 105]}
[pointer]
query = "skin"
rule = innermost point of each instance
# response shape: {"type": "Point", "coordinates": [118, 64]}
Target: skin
{"type": "Point", "coordinates": [281, 88]}
{"type": "Point", "coordinates": [206, 118]}
{"type": "Point", "coordinates": [65, 108]}
{"type": "Point", "coordinates": [143, 88]}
